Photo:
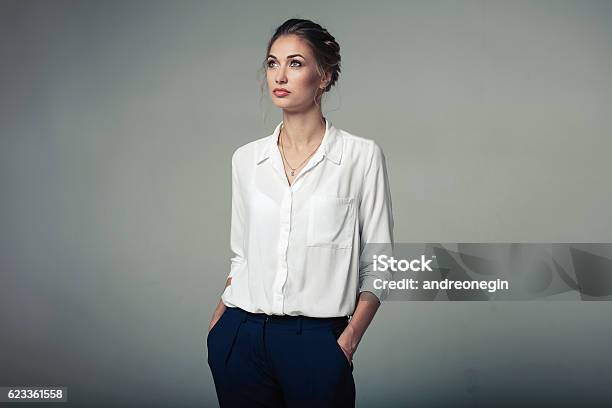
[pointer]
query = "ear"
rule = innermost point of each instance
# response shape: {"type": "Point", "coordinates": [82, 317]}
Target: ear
{"type": "Point", "coordinates": [325, 80]}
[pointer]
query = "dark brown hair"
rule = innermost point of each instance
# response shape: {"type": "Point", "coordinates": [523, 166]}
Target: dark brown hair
{"type": "Point", "coordinates": [323, 45]}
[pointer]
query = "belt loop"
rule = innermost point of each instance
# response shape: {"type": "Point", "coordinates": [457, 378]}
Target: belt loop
{"type": "Point", "coordinates": [245, 315]}
{"type": "Point", "coordinates": [299, 325]}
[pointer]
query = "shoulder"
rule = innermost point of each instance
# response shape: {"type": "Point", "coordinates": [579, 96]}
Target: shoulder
{"type": "Point", "coordinates": [360, 147]}
{"type": "Point", "coordinates": [248, 151]}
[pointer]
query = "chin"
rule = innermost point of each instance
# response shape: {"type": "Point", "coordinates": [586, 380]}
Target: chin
{"type": "Point", "coordinates": [283, 104]}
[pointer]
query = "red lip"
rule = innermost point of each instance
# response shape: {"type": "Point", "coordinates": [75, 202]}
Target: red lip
{"type": "Point", "coordinates": [280, 92]}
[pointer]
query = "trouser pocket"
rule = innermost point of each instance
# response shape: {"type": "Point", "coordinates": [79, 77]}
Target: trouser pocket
{"type": "Point", "coordinates": [215, 327]}
{"type": "Point", "coordinates": [335, 332]}
{"type": "Point", "coordinates": [221, 338]}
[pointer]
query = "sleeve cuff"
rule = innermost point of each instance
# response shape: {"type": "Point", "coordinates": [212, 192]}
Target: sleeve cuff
{"type": "Point", "coordinates": [367, 284]}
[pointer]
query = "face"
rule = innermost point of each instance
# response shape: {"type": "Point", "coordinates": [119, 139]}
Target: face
{"type": "Point", "coordinates": [291, 65]}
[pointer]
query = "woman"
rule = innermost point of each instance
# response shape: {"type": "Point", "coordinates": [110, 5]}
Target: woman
{"type": "Point", "coordinates": [305, 201]}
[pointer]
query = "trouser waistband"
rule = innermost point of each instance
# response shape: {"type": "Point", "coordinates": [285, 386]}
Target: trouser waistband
{"type": "Point", "coordinates": [300, 322]}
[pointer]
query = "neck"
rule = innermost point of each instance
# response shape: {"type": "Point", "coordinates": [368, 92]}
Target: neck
{"type": "Point", "coordinates": [302, 131]}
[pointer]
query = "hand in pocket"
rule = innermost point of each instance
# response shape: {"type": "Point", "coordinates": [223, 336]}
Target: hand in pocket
{"type": "Point", "coordinates": [346, 353]}
{"type": "Point", "coordinates": [213, 323]}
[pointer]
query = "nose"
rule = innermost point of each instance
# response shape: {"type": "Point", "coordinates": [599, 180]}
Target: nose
{"type": "Point", "coordinates": [281, 77]}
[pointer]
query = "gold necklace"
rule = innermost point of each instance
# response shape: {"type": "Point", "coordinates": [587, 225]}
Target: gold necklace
{"type": "Point", "coordinates": [283, 152]}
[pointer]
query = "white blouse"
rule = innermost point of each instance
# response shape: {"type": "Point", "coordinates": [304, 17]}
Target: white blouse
{"type": "Point", "coordinates": [299, 249]}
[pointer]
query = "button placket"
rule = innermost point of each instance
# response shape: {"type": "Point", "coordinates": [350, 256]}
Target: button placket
{"type": "Point", "coordinates": [284, 233]}
{"type": "Point", "coordinates": [285, 229]}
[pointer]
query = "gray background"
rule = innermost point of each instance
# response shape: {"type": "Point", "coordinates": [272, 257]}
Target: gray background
{"type": "Point", "coordinates": [118, 121]}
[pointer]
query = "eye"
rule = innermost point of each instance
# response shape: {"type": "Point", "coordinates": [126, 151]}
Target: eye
{"type": "Point", "coordinates": [270, 62]}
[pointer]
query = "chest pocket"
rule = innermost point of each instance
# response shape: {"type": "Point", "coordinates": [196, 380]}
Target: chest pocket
{"type": "Point", "coordinates": [330, 221]}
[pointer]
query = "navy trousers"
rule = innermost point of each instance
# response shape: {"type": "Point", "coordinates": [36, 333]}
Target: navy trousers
{"type": "Point", "coordinates": [260, 360]}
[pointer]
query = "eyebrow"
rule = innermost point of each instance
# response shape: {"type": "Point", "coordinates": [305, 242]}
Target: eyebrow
{"type": "Point", "coordinates": [288, 56]}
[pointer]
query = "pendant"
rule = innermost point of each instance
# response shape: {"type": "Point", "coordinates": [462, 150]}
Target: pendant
{"type": "Point", "coordinates": [292, 172]}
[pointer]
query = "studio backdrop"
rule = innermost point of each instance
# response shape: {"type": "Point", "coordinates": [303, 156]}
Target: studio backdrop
{"type": "Point", "coordinates": [118, 120]}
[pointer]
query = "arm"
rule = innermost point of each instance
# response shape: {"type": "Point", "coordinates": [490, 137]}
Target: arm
{"type": "Point", "coordinates": [376, 226]}
{"type": "Point", "coordinates": [236, 238]}
{"type": "Point", "coordinates": [220, 309]}
{"type": "Point", "coordinates": [237, 223]}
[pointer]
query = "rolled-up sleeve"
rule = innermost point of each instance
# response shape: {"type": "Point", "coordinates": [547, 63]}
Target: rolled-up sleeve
{"type": "Point", "coordinates": [237, 223]}
{"type": "Point", "coordinates": [375, 223]}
